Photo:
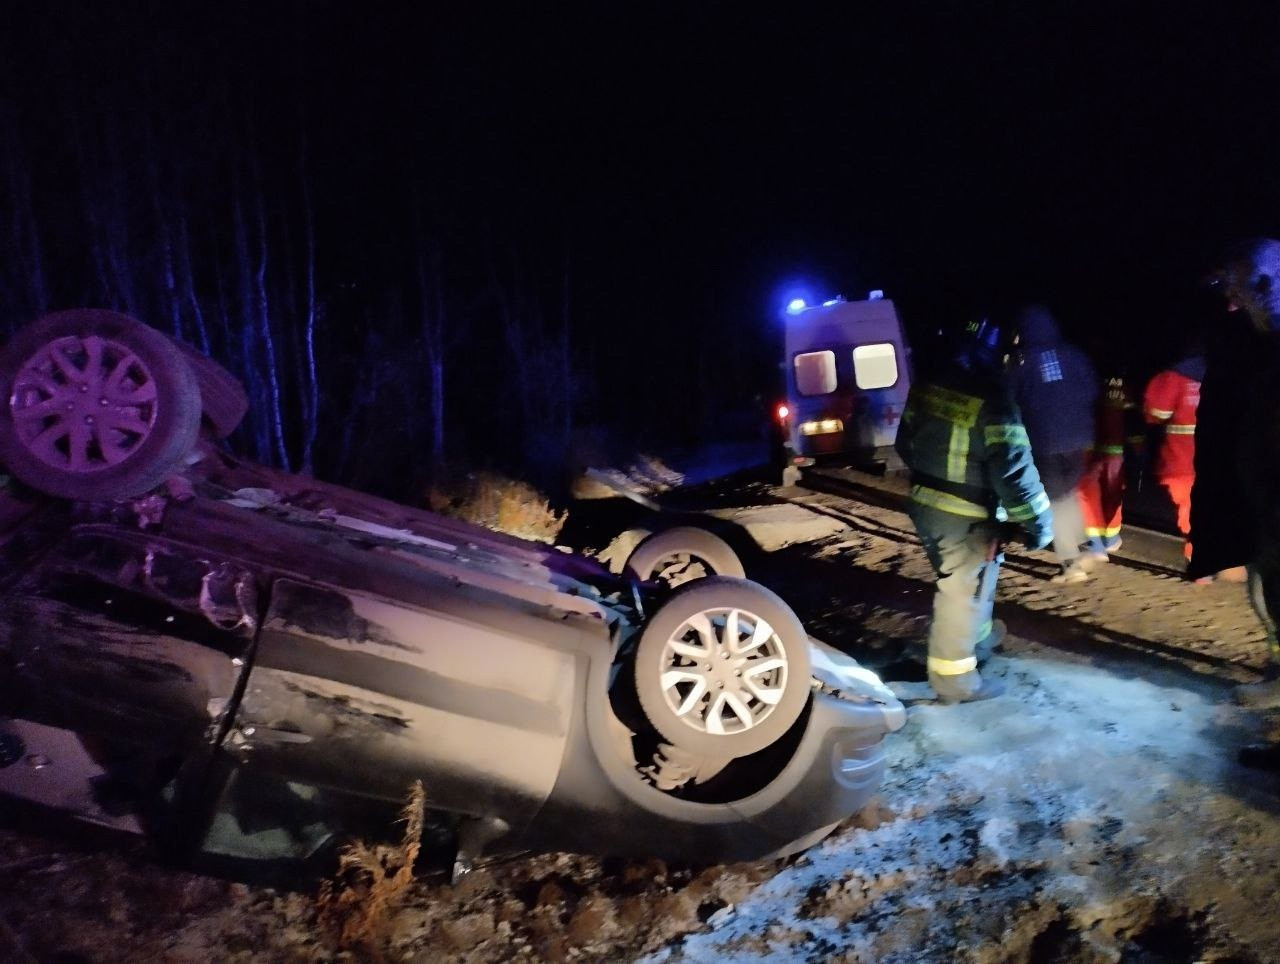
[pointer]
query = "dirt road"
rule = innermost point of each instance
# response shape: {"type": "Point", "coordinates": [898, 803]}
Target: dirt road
{"type": "Point", "coordinates": [1096, 813]}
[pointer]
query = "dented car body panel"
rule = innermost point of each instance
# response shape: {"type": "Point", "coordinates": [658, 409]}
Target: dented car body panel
{"type": "Point", "coordinates": [397, 693]}
{"type": "Point", "coordinates": [130, 635]}
{"type": "Point", "coordinates": [249, 671]}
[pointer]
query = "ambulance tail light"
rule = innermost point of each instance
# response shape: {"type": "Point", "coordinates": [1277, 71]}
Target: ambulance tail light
{"type": "Point", "coordinates": [826, 426]}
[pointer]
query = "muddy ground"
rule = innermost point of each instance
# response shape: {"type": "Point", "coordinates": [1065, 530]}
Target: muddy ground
{"type": "Point", "coordinates": [1094, 814]}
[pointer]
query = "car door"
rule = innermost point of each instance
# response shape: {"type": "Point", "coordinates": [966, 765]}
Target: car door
{"type": "Point", "coordinates": [120, 658]}
{"type": "Point", "coordinates": [464, 688]}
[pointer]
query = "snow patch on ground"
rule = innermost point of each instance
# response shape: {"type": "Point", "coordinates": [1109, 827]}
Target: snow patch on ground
{"type": "Point", "coordinates": [1064, 802]}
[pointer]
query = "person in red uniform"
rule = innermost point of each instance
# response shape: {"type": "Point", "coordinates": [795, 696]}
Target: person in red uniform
{"type": "Point", "coordinates": [1171, 400]}
{"type": "Point", "coordinates": [1102, 488]}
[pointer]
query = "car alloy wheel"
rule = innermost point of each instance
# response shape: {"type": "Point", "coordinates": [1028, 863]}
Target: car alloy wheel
{"type": "Point", "coordinates": [84, 404]}
{"type": "Point", "coordinates": [723, 667]}
{"type": "Point", "coordinates": [724, 671]}
{"type": "Point", "coordinates": [95, 405]}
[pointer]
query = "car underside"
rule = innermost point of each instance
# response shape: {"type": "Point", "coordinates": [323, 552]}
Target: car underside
{"type": "Point", "coordinates": [246, 665]}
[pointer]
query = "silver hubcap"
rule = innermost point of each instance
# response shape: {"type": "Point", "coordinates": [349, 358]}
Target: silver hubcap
{"type": "Point", "coordinates": [724, 671]}
{"type": "Point", "coordinates": [83, 404]}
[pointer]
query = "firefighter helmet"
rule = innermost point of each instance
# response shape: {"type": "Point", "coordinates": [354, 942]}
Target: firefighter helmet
{"type": "Point", "coordinates": [983, 344]}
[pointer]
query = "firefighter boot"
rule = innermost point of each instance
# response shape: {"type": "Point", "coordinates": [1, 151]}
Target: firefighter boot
{"type": "Point", "coordinates": [965, 688]}
{"type": "Point", "coordinates": [1263, 695]}
{"type": "Point", "coordinates": [1077, 570]}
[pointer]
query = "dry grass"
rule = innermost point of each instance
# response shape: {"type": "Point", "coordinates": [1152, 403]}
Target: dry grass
{"type": "Point", "coordinates": [499, 503]}
{"type": "Point", "coordinates": [354, 908]}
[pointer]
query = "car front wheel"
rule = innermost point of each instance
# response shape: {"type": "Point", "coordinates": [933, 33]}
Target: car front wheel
{"type": "Point", "coordinates": [723, 668]}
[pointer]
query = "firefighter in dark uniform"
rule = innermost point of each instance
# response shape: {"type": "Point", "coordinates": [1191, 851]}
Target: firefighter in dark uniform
{"type": "Point", "coordinates": [972, 476]}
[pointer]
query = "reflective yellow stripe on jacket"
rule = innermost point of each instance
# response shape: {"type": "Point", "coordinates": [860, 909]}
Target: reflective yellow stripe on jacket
{"type": "Point", "coordinates": [950, 406]}
{"type": "Point", "coordinates": [947, 502]}
{"type": "Point", "coordinates": [958, 453]}
{"type": "Point", "coordinates": [961, 411]}
{"type": "Point", "coordinates": [1005, 435]}
{"type": "Point", "coordinates": [1180, 429]}
{"type": "Point", "coordinates": [1027, 511]}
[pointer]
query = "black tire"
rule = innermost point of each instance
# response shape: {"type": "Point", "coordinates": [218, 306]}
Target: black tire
{"type": "Point", "coordinates": [139, 460]}
{"type": "Point", "coordinates": [222, 397]}
{"type": "Point", "coordinates": [681, 555]}
{"type": "Point", "coordinates": [787, 686]}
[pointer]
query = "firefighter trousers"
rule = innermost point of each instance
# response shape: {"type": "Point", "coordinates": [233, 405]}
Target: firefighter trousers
{"type": "Point", "coordinates": [1061, 473]}
{"type": "Point", "coordinates": [965, 555]}
{"type": "Point", "coordinates": [1179, 489]}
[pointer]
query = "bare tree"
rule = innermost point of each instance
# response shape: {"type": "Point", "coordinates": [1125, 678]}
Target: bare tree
{"type": "Point", "coordinates": [227, 246]}
{"type": "Point", "coordinates": [164, 239]}
{"type": "Point", "coordinates": [432, 325]}
{"type": "Point", "coordinates": [24, 234]}
{"type": "Point", "coordinates": [187, 277]}
{"type": "Point", "coordinates": [540, 355]}
{"type": "Point", "coordinates": [311, 408]}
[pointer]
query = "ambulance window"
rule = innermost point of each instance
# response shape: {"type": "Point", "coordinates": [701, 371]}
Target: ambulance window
{"type": "Point", "coordinates": [875, 366]}
{"type": "Point", "coordinates": [816, 372]}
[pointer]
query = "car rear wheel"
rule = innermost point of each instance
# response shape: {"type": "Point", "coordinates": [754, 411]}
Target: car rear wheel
{"type": "Point", "coordinates": [681, 555]}
{"type": "Point", "coordinates": [722, 669]}
{"type": "Point", "coordinates": [96, 405]}
{"type": "Point", "coordinates": [222, 397]}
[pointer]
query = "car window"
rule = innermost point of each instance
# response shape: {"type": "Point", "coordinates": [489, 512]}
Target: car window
{"type": "Point", "coordinates": [875, 366]}
{"type": "Point", "coordinates": [816, 372]}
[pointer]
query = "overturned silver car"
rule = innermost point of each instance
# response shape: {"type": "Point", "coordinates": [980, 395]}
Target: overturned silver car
{"type": "Point", "coordinates": [244, 664]}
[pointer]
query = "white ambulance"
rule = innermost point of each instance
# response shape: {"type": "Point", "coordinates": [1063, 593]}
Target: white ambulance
{"type": "Point", "coordinates": [847, 378]}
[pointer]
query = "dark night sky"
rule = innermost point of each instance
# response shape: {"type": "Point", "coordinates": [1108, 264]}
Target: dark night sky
{"type": "Point", "coordinates": [693, 158]}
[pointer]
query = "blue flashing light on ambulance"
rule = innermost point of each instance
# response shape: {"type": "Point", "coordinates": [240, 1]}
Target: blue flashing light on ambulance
{"type": "Point", "coordinates": [847, 369]}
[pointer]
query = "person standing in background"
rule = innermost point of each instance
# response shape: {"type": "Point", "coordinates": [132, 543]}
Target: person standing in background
{"type": "Point", "coordinates": [1103, 485]}
{"type": "Point", "coordinates": [1056, 387]}
{"type": "Point", "coordinates": [1171, 400]}
{"type": "Point", "coordinates": [1223, 537]}
{"type": "Point", "coordinates": [1236, 504]}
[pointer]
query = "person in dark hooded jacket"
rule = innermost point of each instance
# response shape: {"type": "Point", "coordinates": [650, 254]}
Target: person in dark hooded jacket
{"type": "Point", "coordinates": [1224, 536]}
{"type": "Point", "coordinates": [1056, 388]}
{"type": "Point", "coordinates": [1238, 458]}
